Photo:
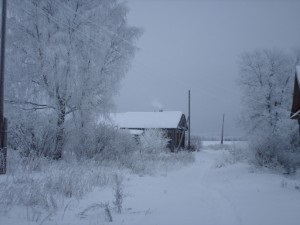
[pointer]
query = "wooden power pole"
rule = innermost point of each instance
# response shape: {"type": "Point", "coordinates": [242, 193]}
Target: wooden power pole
{"type": "Point", "coordinates": [295, 112]}
{"type": "Point", "coordinates": [189, 122]}
{"type": "Point", "coordinates": [222, 132]}
{"type": "Point", "coordinates": [3, 121]}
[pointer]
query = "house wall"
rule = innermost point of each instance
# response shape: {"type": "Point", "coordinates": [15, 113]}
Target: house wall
{"type": "Point", "coordinates": [175, 136]}
{"type": "Point", "coordinates": [171, 134]}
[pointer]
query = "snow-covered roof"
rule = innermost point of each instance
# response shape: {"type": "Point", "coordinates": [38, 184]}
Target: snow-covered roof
{"type": "Point", "coordinates": [136, 132]}
{"type": "Point", "coordinates": [147, 120]}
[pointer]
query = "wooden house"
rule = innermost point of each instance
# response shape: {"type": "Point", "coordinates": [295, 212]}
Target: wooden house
{"type": "Point", "coordinates": [174, 124]}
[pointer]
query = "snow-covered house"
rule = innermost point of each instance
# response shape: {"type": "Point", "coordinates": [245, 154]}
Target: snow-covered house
{"type": "Point", "coordinates": [172, 122]}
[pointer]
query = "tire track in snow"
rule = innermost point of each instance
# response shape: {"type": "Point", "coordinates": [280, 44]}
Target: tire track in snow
{"type": "Point", "coordinates": [219, 197]}
{"type": "Point", "coordinates": [186, 196]}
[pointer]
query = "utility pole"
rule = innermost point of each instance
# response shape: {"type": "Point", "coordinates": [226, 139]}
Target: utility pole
{"type": "Point", "coordinates": [189, 122]}
{"type": "Point", "coordinates": [222, 133]}
{"type": "Point", "coordinates": [295, 112]}
{"type": "Point", "coordinates": [3, 121]}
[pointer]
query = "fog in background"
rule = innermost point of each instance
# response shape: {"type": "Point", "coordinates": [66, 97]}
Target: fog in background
{"type": "Point", "coordinates": [190, 44]}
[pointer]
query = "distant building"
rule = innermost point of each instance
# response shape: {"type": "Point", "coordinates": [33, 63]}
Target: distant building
{"type": "Point", "coordinates": [172, 122]}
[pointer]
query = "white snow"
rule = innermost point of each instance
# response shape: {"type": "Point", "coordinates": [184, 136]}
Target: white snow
{"type": "Point", "coordinates": [136, 132]}
{"type": "Point", "coordinates": [203, 194]}
{"type": "Point", "coordinates": [148, 120]}
{"type": "Point", "coordinates": [199, 194]}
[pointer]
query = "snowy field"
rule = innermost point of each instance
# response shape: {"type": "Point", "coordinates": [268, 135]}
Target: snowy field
{"type": "Point", "coordinates": [219, 188]}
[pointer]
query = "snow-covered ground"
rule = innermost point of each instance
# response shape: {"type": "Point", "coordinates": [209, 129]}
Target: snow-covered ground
{"type": "Point", "coordinates": [205, 194]}
{"type": "Point", "coordinates": [209, 191]}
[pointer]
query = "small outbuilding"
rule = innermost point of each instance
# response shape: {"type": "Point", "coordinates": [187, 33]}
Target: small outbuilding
{"type": "Point", "coordinates": [174, 124]}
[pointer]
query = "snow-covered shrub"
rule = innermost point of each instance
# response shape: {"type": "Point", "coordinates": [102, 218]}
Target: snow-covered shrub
{"type": "Point", "coordinates": [103, 143]}
{"type": "Point", "coordinates": [196, 142]}
{"type": "Point", "coordinates": [32, 133]}
{"type": "Point", "coordinates": [25, 190]}
{"type": "Point", "coordinates": [266, 149]}
{"type": "Point", "coordinates": [89, 141]}
{"type": "Point", "coordinates": [154, 156]}
{"type": "Point", "coordinates": [119, 149]}
{"type": "Point", "coordinates": [122, 148]}
{"type": "Point", "coordinates": [239, 153]}
{"type": "Point", "coordinates": [53, 183]}
{"type": "Point", "coordinates": [276, 149]}
{"type": "Point", "coordinates": [153, 141]}
{"type": "Point", "coordinates": [17, 163]}
{"type": "Point", "coordinates": [231, 154]}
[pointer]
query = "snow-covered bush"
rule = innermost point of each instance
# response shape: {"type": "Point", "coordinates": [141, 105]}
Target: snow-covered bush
{"type": "Point", "coordinates": [231, 154]}
{"type": "Point", "coordinates": [267, 83]}
{"type": "Point", "coordinates": [153, 141]}
{"type": "Point", "coordinates": [196, 142]}
{"type": "Point", "coordinates": [152, 154]}
{"type": "Point", "coordinates": [276, 149]}
{"type": "Point", "coordinates": [55, 181]}
{"type": "Point", "coordinates": [34, 139]}
{"type": "Point", "coordinates": [105, 144]}
{"type": "Point", "coordinates": [91, 142]}
{"type": "Point", "coordinates": [119, 149]}
{"type": "Point", "coordinates": [122, 147]}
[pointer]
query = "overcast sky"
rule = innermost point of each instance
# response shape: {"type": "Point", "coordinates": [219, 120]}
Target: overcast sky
{"type": "Point", "coordinates": [196, 44]}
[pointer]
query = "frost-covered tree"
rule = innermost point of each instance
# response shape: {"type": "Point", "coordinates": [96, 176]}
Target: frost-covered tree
{"type": "Point", "coordinates": [266, 79]}
{"type": "Point", "coordinates": [67, 58]}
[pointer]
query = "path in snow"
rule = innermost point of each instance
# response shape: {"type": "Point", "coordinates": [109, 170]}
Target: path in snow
{"type": "Point", "coordinates": [203, 194]}
{"type": "Point", "coordinates": [199, 194]}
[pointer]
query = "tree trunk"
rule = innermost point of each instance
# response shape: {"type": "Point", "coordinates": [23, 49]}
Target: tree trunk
{"type": "Point", "coordinates": [59, 138]}
{"type": "Point", "coordinates": [60, 133]}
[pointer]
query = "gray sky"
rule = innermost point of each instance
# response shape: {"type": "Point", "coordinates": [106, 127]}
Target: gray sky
{"type": "Point", "coordinates": [196, 44]}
